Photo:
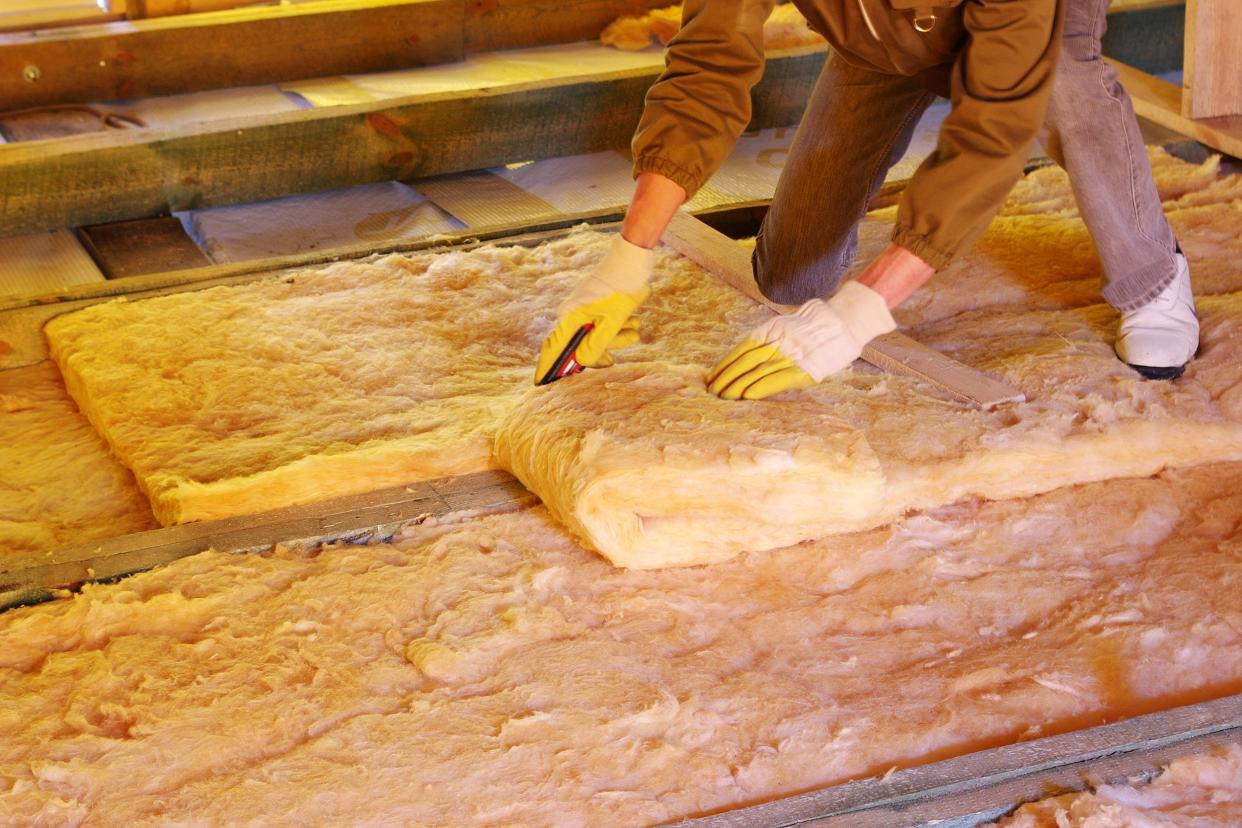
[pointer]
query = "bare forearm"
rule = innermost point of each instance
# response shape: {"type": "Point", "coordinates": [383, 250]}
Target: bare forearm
{"type": "Point", "coordinates": [896, 274]}
{"type": "Point", "coordinates": [655, 200]}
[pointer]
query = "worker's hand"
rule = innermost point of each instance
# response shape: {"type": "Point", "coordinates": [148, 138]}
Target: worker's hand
{"type": "Point", "coordinates": [605, 298]}
{"type": "Point", "coordinates": [799, 350]}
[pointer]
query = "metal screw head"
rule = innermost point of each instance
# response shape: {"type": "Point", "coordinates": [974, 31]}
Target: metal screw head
{"type": "Point", "coordinates": [31, 73]}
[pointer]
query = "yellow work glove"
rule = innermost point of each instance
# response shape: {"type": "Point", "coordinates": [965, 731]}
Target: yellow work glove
{"type": "Point", "coordinates": [605, 298]}
{"type": "Point", "coordinates": [799, 350]}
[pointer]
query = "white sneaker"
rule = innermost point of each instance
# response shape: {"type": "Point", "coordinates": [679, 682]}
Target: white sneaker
{"type": "Point", "coordinates": [1159, 339]}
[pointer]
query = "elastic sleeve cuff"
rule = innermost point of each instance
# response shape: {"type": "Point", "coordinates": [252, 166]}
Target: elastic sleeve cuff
{"type": "Point", "coordinates": [921, 247]}
{"type": "Point", "coordinates": [678, 174]}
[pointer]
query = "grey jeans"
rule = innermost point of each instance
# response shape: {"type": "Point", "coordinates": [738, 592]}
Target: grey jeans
{"type": "Point", "coordinates": [859, 123]}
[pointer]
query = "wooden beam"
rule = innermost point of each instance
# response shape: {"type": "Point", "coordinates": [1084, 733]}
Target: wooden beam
{"type": "Point", "coordinates": [91, 179]}
{"type": "Point", "coordinates": [28, 578]}
{"type": "Point", "coordinates": [894, 352]}
{"type": "Point", "coordinates": [512, 24]}
{"type": "Point", "coordinates": [71, 14]}
{"type": "Point", "coordinates": [163, 8]}
{"type": "Point", "coordinates": [276, 43]}
{"type": "Point", "coordinates": [1212, 77]}
{"type": "Point", "coordinates": [1160, 101]}
{"type": "Point", "coordinates": [978, 787]}
{"type": "Point", "coordinates": [257, 45]}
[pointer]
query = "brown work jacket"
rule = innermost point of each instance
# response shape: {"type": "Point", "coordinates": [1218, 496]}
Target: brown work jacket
{"type": "Point", "coordinates": [995, 59]}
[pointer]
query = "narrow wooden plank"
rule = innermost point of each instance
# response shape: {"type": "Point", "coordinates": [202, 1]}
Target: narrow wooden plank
{"type": "Point", "coordinates": [162, 8]}
{"type": "Point", "coordinates": [1160, 101]}
{"type": "Point", "coordinates": [511, 24]}
{"type": "Point", "coordinates": [78, 12]}
{"type": "Point", "coordinates": [255, 45]}
{"type": "Point", "coordinates": [33, 576]}
{"type": "Point", "coordinates": [92, 179]}
{"type": "Point", "coordinates": [979, 806]}
{"type": "Point", "coordinates": [131, 248]}
{"type": "Point", "coordinates": [895, 353]}
{"type": "Point", "coordinates": [447, 487]}
{"type": "Point", "coordinates": [987, 768]}
{"type": "Point", "coordinates": [1212, 79]}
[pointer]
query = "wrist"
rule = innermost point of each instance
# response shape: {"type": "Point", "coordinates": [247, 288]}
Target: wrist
{"type": "Point", "coordinates": [656, 199]}
{"type": "Point", "coordinates": [896, 274]}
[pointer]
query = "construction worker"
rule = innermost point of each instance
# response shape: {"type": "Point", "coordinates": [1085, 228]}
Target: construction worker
{"type": "Point", "coordinates": [997, 62]}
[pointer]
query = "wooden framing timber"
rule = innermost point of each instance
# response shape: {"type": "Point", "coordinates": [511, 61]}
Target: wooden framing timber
{"type": "Point", "coordinates": [513, 24]}
{"type": "Point", "coordinates": [161, 8]}
{"type": "Point", "coordinates": [262, 44]}
{"type": "Point", "coordinates": [275, 43]}
{"type": "Point", "coordinates": [90, 179]}
{"type": "Point", "coordinates": [1161, 102]}
{"type": "Point", "coordinates": [1212, 77]}
{"type": "Point", "coordinates": [34, 577]}
{"type": "Point", "coordinates": [1208, 105]}
{"type": "Point", "coordinates": [894, 352]}
{"type": "Point", "coordinates": [979, 787]}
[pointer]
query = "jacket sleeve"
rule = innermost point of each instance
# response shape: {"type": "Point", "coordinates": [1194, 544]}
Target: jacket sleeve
{"type": "Point", "coordinates": [1000, 86]}
{"type": "Point", "coordinates": [701, 104]}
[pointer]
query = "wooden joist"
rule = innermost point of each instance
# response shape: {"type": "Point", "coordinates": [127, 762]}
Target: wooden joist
{"type": "Point", "coordinates": [90, 179]}
{"type": "Point", "coordinates": [513, 24]}
{"type": "Point", "coordinates": [1161, 102]}
{"type": "Point", "coordinates": [274, 43]}
{"type": "Point", "coordinates": [1213, 61]}
{"type": "Point", "coordinates": [1208, 105]}
{"type": "Point", "coordinates": [894, 352]}
{"type": "Point", "coordinates": [34, 577]}
{"type": "Point", "coordinates": [255, 45]}
{"type": "Point", "coordinates": [980, 787]}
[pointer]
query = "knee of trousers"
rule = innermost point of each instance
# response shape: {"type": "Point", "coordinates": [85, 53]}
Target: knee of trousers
{"type": "Point", "coordinates": [784, 277]}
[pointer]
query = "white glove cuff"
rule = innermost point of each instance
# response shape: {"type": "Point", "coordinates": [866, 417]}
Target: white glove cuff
{"type": "Point", "coordinates": [863, 311]}
{"type": "Point", "coordinates": [627, 268]}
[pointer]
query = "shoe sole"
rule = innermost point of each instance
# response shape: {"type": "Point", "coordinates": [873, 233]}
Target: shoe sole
{"type": "Point", "coordinates": [1155, 373]}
